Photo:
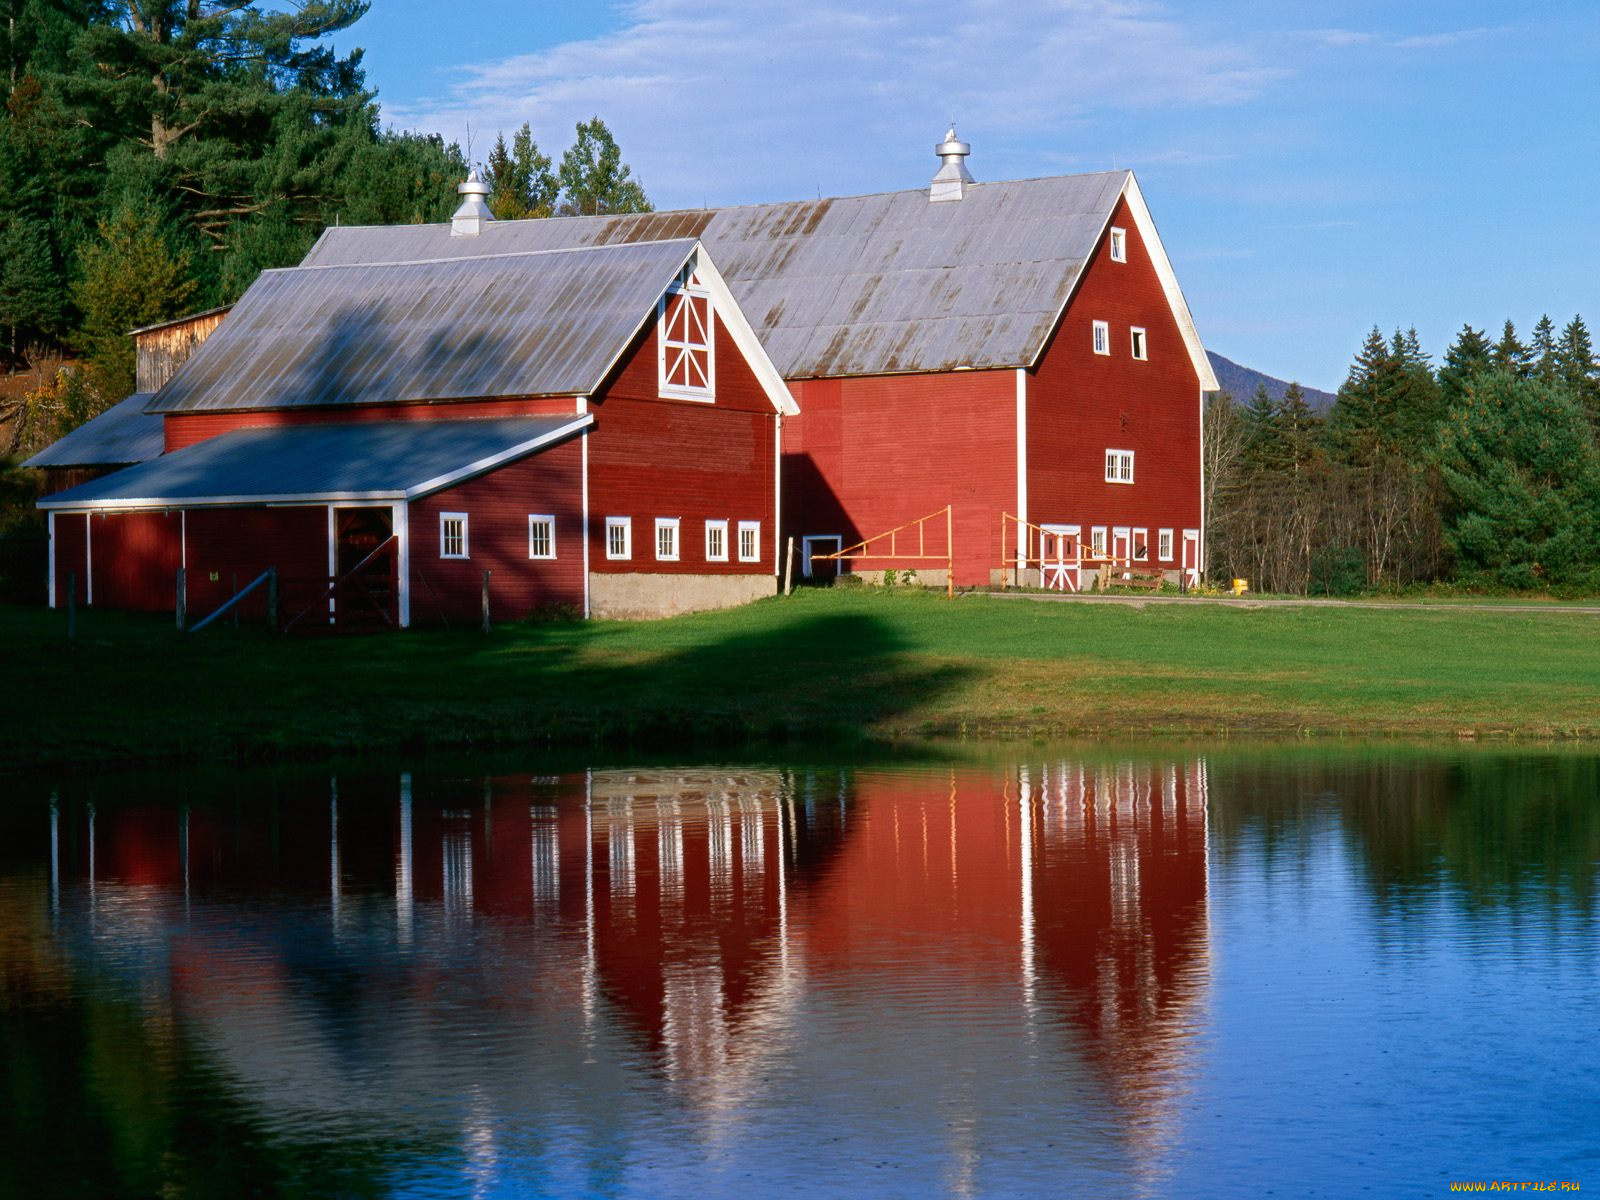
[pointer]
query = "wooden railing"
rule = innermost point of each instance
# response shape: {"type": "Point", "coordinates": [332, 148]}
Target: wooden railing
{"type": "Point", "coordinates": [894, 556]}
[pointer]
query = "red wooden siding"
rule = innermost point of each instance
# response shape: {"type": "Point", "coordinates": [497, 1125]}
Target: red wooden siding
{"type": "Point", "coordinates": [868, 454]}
{"type": "Point", "coordinates": [185, 429]}
{"type": "Point", "coordinates": [136, 560]}
{"type": "Point", "coordinates": [224, 543]}
{"type": "Point", "coordinates": [650, 458]}
{"type": "Point", "coordinates": [1081, 404]}
{"type": "Point", "coordinates": [71, 556]}
{"type": "Point", "coordinates": [498, 506]}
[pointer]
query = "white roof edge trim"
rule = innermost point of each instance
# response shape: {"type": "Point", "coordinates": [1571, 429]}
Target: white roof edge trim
{"type": "Point", "coordinates": [511, 454]}
{"type": "Point", "coordinates": [134, 504]}
{"type": "Point", "coordinates": [744, 336]}
{"type": "Point", "coordinates": [1169, 282]}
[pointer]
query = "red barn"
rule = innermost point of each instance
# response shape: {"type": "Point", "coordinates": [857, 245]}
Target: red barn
{"type": "Point", "coordinates": [594, 427]}
{"type": "Point", "coordinates": [1019, 351]}
{"type": "Point", "coordinates": [1019, 347]}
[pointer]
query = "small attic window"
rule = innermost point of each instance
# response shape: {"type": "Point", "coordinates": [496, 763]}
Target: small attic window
{"type": "Point", "coordinates": [1119, 244]}
{"type": "Point", "coordinates": [686, 357]}
{"type": "Point", "coordinates": [1136, 337]}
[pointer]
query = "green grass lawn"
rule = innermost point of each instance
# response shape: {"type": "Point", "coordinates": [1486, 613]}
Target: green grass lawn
{"type": "Point", "coordinates": [817, 665]}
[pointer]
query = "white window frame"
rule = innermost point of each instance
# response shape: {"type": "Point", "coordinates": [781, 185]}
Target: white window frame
{"type": "Point", "coordinates": [548, 520]}
{"type": "Point", "coordinates": [1102, 337]}
{"type": "Point", "coordinates": [1119, 466]}
{"type": "Point", "coordinates": [754, 528]}
{"type": "Point", "coordinates": [1119, 244]}
{"type": "Point", "coordinates": [445, 519]}
{"type": "Point", "coordinates": [1097, 541]}
{"type": "Point", "coordinates": [1141, 545]}
{"type": "Point", "coordinates": [625, 525]}
{"type": "Point", "coordinates": [1138, 343]}
{"type": "Point", "coordinates": [665, 346]}
{"type": "Point", "coordinates": [719, 527]}
{"type": "Point", "coordinates": [670, 526]}
{"type": "Point", "coordinates": [1164, 545]}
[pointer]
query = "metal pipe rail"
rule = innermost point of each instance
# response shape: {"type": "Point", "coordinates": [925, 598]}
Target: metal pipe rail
{"type": "Point", "coordinates": [862, 550]}
{"type": "Point", "coordinates": [232, 602]}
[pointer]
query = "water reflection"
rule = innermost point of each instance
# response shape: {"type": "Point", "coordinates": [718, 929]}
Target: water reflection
{"type": "Point", "coordinates": [957, 980]}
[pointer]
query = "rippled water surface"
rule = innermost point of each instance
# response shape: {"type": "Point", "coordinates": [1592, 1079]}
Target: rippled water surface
{"type": "Point", "coordinates": [1286, 972]}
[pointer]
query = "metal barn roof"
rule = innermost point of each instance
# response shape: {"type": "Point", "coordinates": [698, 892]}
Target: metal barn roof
{"type": "Point", "coordinates": [283, 464]}
{"type": "Point", "coordinates": [122, 434]}
{"type": "Point", "coordinates": [509, 321]}
{"type": "Point", "coordinates": [856, 285]}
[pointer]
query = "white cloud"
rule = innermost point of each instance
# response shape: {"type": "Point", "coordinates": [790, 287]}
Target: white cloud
{"type": "Point", "coordinates": [1341, 39]}
{"type": "Point", "coordinates": [728, 100]}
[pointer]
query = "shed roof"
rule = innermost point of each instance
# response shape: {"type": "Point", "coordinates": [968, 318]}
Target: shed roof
{"type": "Point", "coordinates": [285, 464]}
{"type": "Point", "coordinates": [523, 322]}
{"type": "Point", "coordinates": [123, 434]}
{"type": "Point", "coordinates": [857, 285]}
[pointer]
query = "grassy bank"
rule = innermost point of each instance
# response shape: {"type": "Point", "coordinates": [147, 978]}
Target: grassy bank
{"type": "Point", "coordinates": [816, 665]}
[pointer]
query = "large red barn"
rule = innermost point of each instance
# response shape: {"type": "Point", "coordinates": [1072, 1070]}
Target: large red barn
{"type": "Point", "coordinates": [1019, 351]}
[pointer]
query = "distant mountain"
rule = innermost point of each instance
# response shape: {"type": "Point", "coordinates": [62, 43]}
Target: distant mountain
{"type": "Point", "coordinates": [1242, 383]}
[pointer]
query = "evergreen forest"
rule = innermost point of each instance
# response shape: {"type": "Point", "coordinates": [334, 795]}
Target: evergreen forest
{"type": "Point", "coordinates": [1482, 472]}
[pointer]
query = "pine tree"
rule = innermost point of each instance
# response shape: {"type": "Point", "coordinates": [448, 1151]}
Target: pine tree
{"type": "Point", "coordinates": [1543, 349]}
{"type": "Point", "coordinates": [31, 299]}
{"type": "Point", "coordinates": [131, 276]}
{"type": "Point", "coordinates": [1576, 367]}
{"type": "Point", "coordinates": [1469, 356]}
{"type": "Point", "coordinates": [594, 179]}
{"type": "Point", "coordinates": [1362, 407]}
{"type": "Point", "coordinates": [524, 184]}
{"type": "Point", "coordinates": [1510, 355]}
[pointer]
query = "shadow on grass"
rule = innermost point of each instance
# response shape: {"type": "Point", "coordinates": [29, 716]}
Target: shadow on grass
{"type": "Point", "coordinates": [139, 694]}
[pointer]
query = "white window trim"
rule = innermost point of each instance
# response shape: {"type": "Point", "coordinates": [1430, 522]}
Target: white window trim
{"type": "Point", "coordinates": [1114, 471]}
{"type": "Point", "coordinates": [1164, 545]}
{"type": "Point", "coordinates": [754, 526]}
{"type": "Point", "coordinates": [1097, 541]}
{"type": "Point", "coordinates": [723, 527]}
{"type": "Point", "coordinates": [1138, 343]}
{"type": "Point", "coordinates": [707, 394]}
{"type": "Point", "coordinates": [546, 519]}
{"type": "Point", "coordinates": [626, 525]}
{"type": "Point", "coordinates": [1119, 244]}
{"type": "Point", "coordinates": [663, 524]}
{"type": "Point", "coordinates": [1102, 337]}
{"type": "Point", "coordinates": [1141, 539]}
{"type": "Point", "coordinates": [444, 520]}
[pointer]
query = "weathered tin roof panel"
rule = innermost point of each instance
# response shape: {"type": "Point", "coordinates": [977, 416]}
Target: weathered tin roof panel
{"type": "Point", "coordinates": [857, 285]}
{"type": "Point", "coordinates": [518, 322]}
{"type": "Point", "coordinates": [123, 434]}
{"type": "Point", "coordinates": [287, 462]}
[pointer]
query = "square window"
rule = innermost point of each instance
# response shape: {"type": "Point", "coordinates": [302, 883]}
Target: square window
{"type": "Point", "coordinates": [1097, 541]}
{"type": "Point", "coordinates": [685, 342]}
{"type": "Point", "coordinates": [1136, 336]}
{"type": "Point", "coordinates": [716, 541]}
{"type": "Point", "coordinates": [666, 539]}
{"type": "Point", "coordinates": [1164, 545]}
{"type": "Point", "coordinates": [1102, 337]}
{"type": "Point", "coordinates": [1141, 545]}
{"type": "Point", "coordinates": [452, 535]}
{"type": "Point", "coordinates": [619, 537]}
{"type": "Point", "coordinates": [1119, 466]}
{"type": "Point", "coordinates": [541, 536]}
{"type": "Point", "coordinates": [1119, 245]}
{"type": "Point", "coordinates": [749, 541]}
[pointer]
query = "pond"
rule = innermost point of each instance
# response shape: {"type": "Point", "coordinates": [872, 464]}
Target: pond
{"type": "Point", "coordinates": [1179, 972]}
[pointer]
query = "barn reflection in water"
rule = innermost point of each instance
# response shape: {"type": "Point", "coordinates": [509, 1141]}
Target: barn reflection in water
{"type": "Point", "coordinates": [534, 967]}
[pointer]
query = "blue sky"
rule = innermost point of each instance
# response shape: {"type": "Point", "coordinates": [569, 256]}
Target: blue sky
{"type": "Point", "coordinates": [1314, 169]}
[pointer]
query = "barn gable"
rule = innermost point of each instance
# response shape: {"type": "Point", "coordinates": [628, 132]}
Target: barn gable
{"type": "Point", "coordinates": [527, 323]}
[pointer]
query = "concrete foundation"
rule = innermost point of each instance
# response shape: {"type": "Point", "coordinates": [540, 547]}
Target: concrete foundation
{"type": "Point", "coordinates": [634, 597]}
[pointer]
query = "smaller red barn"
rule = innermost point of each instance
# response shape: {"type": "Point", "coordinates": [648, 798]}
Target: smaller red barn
{"type": "Point", "coordinates": [595, 427]}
